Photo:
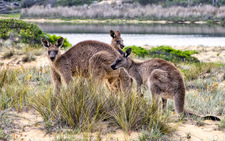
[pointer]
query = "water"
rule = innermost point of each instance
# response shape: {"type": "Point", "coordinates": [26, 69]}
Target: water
{"type": "Point", "coordinates": [142, 34]}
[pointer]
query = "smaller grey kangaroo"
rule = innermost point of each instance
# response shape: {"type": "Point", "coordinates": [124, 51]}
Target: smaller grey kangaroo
{"type": "Point", "coordinates": [161, 77]}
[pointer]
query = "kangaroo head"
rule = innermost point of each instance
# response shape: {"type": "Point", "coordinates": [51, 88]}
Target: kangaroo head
{"type": "Point", "coordinates": [122, 60]}
{"type": "Point", "coordinates": [53, 50]}
{"type": "Point", "coordinates": [117, 41]}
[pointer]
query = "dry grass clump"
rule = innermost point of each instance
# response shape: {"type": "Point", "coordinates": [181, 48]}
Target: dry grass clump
{"type": "Point", "coordinates": [28, 58]}
{"type": "Point", "coordinates": [17, 86]}
{"type": "Point", "coordinates": [8, 54]}
{"type": "Point", "coordinates": [205, 90]}
{"type": "Point", "coordinates": [197, 70]}
{"type": "Point", "coordinates": [127, 11]}
{"type": "Point", "coordinates": [83, 106]}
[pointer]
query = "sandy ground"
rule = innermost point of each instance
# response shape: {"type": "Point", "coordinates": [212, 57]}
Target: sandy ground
{"type": "Point", "coordinates": [30, 127]}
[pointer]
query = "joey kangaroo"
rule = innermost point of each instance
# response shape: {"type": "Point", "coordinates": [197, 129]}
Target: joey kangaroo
{"type": "Point", "coordinates": [75, 62]}
{"type": "Point", "coordinates": [161, 78]}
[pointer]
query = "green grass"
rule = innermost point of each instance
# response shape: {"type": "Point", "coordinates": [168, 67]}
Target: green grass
{"type": "Point", "coordinates": [166, 53]}
{"type": "Point", "coordinates": [14, 15]}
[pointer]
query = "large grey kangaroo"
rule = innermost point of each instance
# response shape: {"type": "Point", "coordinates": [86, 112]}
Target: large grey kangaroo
{"type": "Point", "coordinates": [161, 77]}
{"type": "Point", "coordinates": [76, 61]}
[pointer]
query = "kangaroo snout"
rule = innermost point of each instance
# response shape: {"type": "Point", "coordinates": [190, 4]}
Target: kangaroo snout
{"type": "Point", "coordinates": [113, 67]}
{"type": "Point", "coordinates": [52, 58]}
{"type": "Point", "coordinates": [121, 46]}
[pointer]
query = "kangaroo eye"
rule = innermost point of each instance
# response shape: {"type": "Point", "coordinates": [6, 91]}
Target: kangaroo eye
{"type": "Point", "coordinates": [119, 61]}
{"type": "Point", "coordinates": [49, 52]}
{"type": "Point", "coordinates": [56, 52]}
{"type": "Point", "coordinates": [118, 42]}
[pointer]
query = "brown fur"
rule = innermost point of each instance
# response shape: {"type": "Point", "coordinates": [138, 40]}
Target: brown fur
{"type": "Point", "coordinates": [161, 77]}
{"type": "Point", "coordinates": [76, 61]}
{"type": "Point", "coordinates": [117, 41]}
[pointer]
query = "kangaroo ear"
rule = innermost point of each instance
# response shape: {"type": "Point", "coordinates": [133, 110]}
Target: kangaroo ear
{"type": "Point", "coordinates": [128, 52]}
{"type": "Point", "coordinates": [45, 43]}
{"type": "Point", "coordinates": [112, 33]}
{"type": "Point", "coordinates": [59, 42]}
{"type": "Point", "coordinates": [121, 52]}
{"type": "Point", "coordinates": [118, 33]}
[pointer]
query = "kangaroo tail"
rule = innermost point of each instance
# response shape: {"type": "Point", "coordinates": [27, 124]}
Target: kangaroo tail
{"type": "Point", "coordinates": [213, 118]}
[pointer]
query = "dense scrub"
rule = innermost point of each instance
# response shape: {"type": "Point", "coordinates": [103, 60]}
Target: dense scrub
{"type": "Point", "coordinates": [129, 11]}
{"type": "Point", "coordinates": [182, 2]}
{"type": "Point", "coordinates": [166, 53]}
{"type": "Point", "coordinates": [23, 32]}
{"type": "Point", "coordinates": [28, 3]}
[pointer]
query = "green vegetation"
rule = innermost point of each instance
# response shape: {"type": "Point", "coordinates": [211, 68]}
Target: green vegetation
{"type": "Point", "coordinates": [166, 53]}
{"type": "Point", "coordinates": [193, 71]}
{"type": "Point", "coordinates": [170, 54]}
{"type": "Point", "coordinates": [28, 33]}
{"type": "Point", "coordinates": [82, 106]}
{"type": "Point", "coordinates": [53, 38]}
{"type": "Point", "coordinates": [13, 15]}
{"type": "Point", "coordinates": [24, 32]}
{"type": "Point", "coordinates": [139, 51]}
{"type": "Point", "coordinates": [93, 105]}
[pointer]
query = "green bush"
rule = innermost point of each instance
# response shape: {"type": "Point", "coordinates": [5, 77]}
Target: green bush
{"type": "Point", "coordinates": [173, 55]}
{"type": "Point", "coordinates": [166, 53]}
{"type": "Point", "coordinates": [139, 51]}
{"type": "Point", "coordinates": [54, 38]}
{"type": "Point", "coordinates": [26, 32]}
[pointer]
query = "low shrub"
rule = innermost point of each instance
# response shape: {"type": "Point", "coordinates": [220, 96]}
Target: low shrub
{"type": "Point", "coordinates": [26, 32]}
{"type": "Point", "coordinates": [139, 51]}
{"type": "Point", "coordinates": [166, 53]}
{"type": "Point", "coordinates": [83, 105]}
{"type": "Point", "coordinates": [173, 55]}
{"type": "Point", "coordinates": [53, 38]}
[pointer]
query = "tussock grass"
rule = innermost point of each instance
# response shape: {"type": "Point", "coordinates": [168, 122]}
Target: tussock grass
{"type": "Point", "coordinates": [26, 53]}
{"type": "Point", "coordinates": [83, 106]}
{"type": "Point", "coordinates": [195, 70]}
{"type": "Point", "coordinates": [128, 11]}
{"type": "Point", "coordinates": [28, 58]}
{"type": "Point", "coordinates": [8, 54]}
{"type": "Point", "coordinates": [5, 125]}
{"type": "Point", "coordinates": [17, 86]}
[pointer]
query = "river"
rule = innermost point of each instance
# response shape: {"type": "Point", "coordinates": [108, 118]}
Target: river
{"type": "Point", "coordinates": [142, 34]}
